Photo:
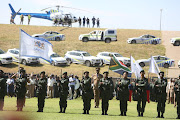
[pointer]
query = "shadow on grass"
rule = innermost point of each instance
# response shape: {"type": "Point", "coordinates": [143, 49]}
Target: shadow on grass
{"type": "Point", "coordinates": [12, 65]}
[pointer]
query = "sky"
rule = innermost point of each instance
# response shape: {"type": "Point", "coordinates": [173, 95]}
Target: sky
{"type": "Point", "coordinates": [121, 14]}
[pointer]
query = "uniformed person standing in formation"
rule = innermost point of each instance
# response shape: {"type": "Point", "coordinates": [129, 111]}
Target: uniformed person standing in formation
{"type": "Point", "coordinates": [41, 91]}
{"type": "Point", "coordinates": [84, 21]}
{"type": "Point", "coordinates": [160, 90]}
{"type": "Point", "coordinates": [141, 87]}
{"type": "Point", "coordinates": [105, 93]}
{"type": "Point", "coordinates": [87, 20]}
{"type": "Point", "coordinates": [2, 89]}
{"type": "Point", "coordinates": [79, 20]}
{"type": "Point", "coordinates": [177, 96]}
{"type": "Point", "coordinates": [86, 92]}
{"type": "Point", "coordinates": [29, 18]}
{"type": "Point", "coordinates": [63, 92]}
{"type": "Point", "coordinates": [123, 93]}
{"type": "Point", "coordinates": [93, 21]}
{"type": "Point", "coordinates": [21, 83]}
{"type": "Point", "coordinates": [96, 79]}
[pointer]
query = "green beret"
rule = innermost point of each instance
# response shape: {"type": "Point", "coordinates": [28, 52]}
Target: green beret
{"type": "Point", "coordinates": [64, 73]}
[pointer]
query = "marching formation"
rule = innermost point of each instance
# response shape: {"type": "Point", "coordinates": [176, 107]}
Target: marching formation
{"type": "Point", "coordinates": [98, 87]}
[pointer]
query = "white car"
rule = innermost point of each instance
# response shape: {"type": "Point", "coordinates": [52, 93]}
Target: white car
{"type": "Point", "coordinates": [57, 60]}
{"type": "Point", "coordinates": [5, 58]}
{"type": "Point", "coordinates": [82, 57]}
{"type": "Point", "coordinates": [179, 64]}
{"type": "Point", "coordinates": [107, 35]}
{"type": "Point", "coordinates": [23, 59]}
{"type": "Point", "coordinates": [51, 35]}
{"type": "Point", "coordinates": [175, 41]}
{"type": "Point", "coordinates": [161, 61]}
{"type": "Point", "coordinates": [106, 58]}
{"type": "Point", "coordinates": [144, 39]}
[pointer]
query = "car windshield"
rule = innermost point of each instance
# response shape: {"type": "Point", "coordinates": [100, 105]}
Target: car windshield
{"type": "Point", "coordinates": [1, 52]}
{"type": "Point", "coordinates": [118, 55]}
{"type": "Point", "coordinates": [55, 55]}
{"type": "Point", "coordinates": [86, 54]}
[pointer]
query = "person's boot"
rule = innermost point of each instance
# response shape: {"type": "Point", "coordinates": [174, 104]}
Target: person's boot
{"type": "Point", "coordinates": [124, 113]}
{"type": "Point", "coordinates": [158, 115]}
{"type": "Point", "coordinates": [60, 110]}
{"type": "Point", "coordinates": [106, 112]}
{"type": "Point", "coordinates": [84, 112]}
{"type": "Point", "coordinates": [121, 113]}
{"type": "Point", "coordinates": [139, 114]}
{"type": "Point", "coordinates": [162, 116]}
{"type": "Point", "coordinates": [102, 112]}
{"type": "Point", "coordinates": [17, 109]}
{"type": "Point", "coordinates": [142, 114]}
{"type": "Point", "coordinates": [64, 110]}
{"type": "Point", "coordinates": [178, 117]}
{"type": "Point", "coordinates": [87, 111]}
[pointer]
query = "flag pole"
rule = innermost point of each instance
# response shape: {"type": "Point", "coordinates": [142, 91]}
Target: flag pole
{"type": "Point", "coordinates": [19, 50]}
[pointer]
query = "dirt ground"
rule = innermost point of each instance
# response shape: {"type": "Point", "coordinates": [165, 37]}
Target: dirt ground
{"type": "Point", "coordinates": [172, 52]}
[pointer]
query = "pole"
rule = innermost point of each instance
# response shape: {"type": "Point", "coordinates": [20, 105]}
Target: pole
{"type": "Point", "coordinates": [160, 18]}
{"type": "Point", "coordinates": [19, 51]}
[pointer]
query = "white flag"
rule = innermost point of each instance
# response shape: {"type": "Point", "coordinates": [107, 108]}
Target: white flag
{"type": "Point", "coordinates": [153, 68]}
{"type": "Point", "coordinates": [35, 47]}
{"type": "Point", "coordinates": [135, 68]}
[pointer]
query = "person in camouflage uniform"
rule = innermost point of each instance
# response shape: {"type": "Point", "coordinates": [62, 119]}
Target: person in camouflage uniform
{"type": "Point", "coordinates": [86, 92]}
{"type": "Point", "coordinates": [177, 96]}
{"type": "Point", "coordinates": [141, 87]}
{"type": "Point", "coordinates": [20, 84]}
{"type": "Point", "coordinates": [41, 91]}
{"type": "Point", "coordinates": [2, 89]}
{"type": "Point", "coordinates": [123, 93]}
{"type": "Point", "coordinates": [160, 90]}
{"type": "Point", "coordinates": [63, 92]}
{"type": "Point", "coordinates": [105, 86]}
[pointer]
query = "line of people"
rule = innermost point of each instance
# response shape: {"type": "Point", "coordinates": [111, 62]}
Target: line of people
{"type": "Point", "coordinates": [102, 88]}
{"type": "Point", "coordinates": [21, 19]}
{"type": "Point", "coordinates": [86, 21]}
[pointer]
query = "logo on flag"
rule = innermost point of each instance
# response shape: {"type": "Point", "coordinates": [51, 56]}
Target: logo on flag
{"type": "Point", "coordinates": [39, 44]}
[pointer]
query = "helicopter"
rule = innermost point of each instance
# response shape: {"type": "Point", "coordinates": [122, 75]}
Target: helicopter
{"type": "Point", "coordinates": [57, 16]}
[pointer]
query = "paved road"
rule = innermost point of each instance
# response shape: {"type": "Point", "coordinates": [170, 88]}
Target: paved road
{"type": "Point", "coordinates": [172, 52]}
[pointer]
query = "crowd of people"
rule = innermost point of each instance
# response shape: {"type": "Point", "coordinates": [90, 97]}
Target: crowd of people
{"type": "Point", "coordinates": [98, 87]}
{"type": "Point", "coordinates": [21, 19]}
{"type": "Point", "coordinates": [86, 21]}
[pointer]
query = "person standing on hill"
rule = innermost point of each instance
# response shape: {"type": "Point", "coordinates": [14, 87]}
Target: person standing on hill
{"type": "Point", "coordinates": [86, 92]}
{"type": "Point", "coordinates": [87, 20]}
{"type": "Point", "coordinates": [79, 20]}
{"type": "Point", "coordinates": [84, 21]}
{"type": "Point", "coordinates": [29, 18]}
{"type": "Point", "coordinates": [98, 23]}
{"type": "Point", "coordinates": [93, 21]}
{"type": "Point", "coordinates": [160, 89]}
{"type": "Point", "coordinates": [22, 18]}
{"type": "Point", "coordinates": [177, 96]}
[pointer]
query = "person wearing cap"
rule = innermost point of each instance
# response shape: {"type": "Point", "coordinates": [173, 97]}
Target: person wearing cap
{"type": "Point", "coordinates": [141, 87]}
{"type": "Point", "coordinates": [41, 91]}
{"type": "Point", "coordinates": [177, 96]}
{"type": "Point", "coordinates": [86, 92]}
{"type": "Point", "coordinates": [105, 86]}
{"type": "Point", "coordinates": [63, 92]}
{"type": "Point", "coordinates": [2, 89]}
{"type": "Point", "coordinates": [160, 90]}
{"type": "Point", "coordinates": [20, 84]}
{"type": "Point", "coordinates": [95, 80]}
{"type": "Point", "coordinates": [123, 93]}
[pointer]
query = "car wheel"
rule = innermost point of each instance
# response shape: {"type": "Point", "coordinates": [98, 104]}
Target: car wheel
{"type": "Point", "coordinates": [69, 61]}
{"type": "Point", "coordinates": [101, 64]}
{"type": "Point", "coordinates": [177, 43]}
{"type": "Point", "coordinates": [154, 42]}
{"type": "Point", "coordinates": [53, 63]}
{"type": "Point", "coordinates": [142, 64]}
{"type": "Point", "coordinates": [85, 39]}
{"type": "Point", "coordinates": [166, 65]}
{"type": "Point", "coordinates": [179, 66]}
{"type": "Point", "coordinates": [88, 63]}
{"type": "Point", "coordinates": [24, 62]}
{"type": "Point", "coordinates": [107, 40]}
{"type": "Point", "coordinates": [57, 39]}
{"type": "Point", "coordinates": [128, 65]}
{"type": "Point", "coordinates": [0, 63]}
{"type": "Point", "coordinates": [133, 42]}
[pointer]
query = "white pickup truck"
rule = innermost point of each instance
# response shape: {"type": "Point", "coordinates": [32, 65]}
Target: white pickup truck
{"type": "Point", "coordinates": [107, 36]}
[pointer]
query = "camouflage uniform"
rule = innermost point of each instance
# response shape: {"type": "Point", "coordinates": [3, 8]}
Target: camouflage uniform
{"type": "Point", "coordinates": [177, 93]}
{"type": "Point", "coordinates": [2, 92]}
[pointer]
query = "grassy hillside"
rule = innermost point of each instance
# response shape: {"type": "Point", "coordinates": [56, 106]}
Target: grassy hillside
{"type": "Point", "coordinates": [9, 38]}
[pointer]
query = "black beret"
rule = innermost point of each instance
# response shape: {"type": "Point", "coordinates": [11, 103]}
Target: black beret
{"type": "Point", "coordinates": [142, 71]}
{"type": "Point", "coordinates": [43, 72]}
{"type": "Point", "coordinates": [86, 72]}
{"type": "Point", "coordinates": [64, 73]}
{"type": "Point", "coordinates": [22, 71]}
{"type": "Point", "coordinates": [125, 72]}
{"type": "Point", "coordinates": [161, 72]}
{"type": "Point", "coordinates": [106, 72]}
{"type": "Point", "coordinates": [97, 68]}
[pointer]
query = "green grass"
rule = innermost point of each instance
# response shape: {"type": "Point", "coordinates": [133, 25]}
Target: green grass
{"type": "Point", "coordinates": [75, 107]}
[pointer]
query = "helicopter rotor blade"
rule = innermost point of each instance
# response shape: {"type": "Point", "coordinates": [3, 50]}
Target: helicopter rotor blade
{"type": "Point", "coordinates": [74, 8]}
{"type": "Point", "coordinates": [46, 8]}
